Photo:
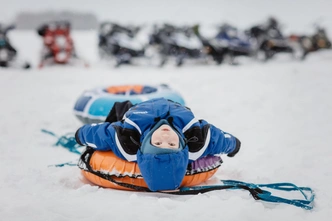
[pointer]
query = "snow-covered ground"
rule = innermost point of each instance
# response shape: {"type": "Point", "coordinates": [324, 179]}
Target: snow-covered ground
{"type": "Point", "coordinates": [280, 110]}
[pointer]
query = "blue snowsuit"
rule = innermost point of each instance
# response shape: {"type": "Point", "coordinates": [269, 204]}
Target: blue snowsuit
{"type": "Point", "coordinates": [124, 137]}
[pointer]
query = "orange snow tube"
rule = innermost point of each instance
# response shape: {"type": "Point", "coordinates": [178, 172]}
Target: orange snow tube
{"type": "Point", "coordinates": [122, 171]}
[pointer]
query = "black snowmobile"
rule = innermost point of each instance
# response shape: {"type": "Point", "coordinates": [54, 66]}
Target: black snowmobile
{"type": "Point", "coordinates": [269, 40]}
{"type": "Point", "coordinates": [8, 54]}
{"type": "Point", "coordinates": [228, 42]}
{"type": "Point", "coordinates": [319, 40]}
{"type": "Point", "coordinates": [180, 43]}
{"type": "Point", "coordinates": [119, 42]}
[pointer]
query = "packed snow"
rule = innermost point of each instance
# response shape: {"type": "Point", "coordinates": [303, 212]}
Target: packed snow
{"type": "Point", "coordinates": [280, 110]}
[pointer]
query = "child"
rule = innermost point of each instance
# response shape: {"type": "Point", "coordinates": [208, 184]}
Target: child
{"type": "Point", "coordinates": [162, 136]}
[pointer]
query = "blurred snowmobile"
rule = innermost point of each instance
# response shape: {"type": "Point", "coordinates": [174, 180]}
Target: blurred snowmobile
{"type": "Point", "coordinates": [269, 40]}
{"type": "Point", "coordinates": [58, 45]}
{"type": "Point", "coordinates": [319, 40]}
{"type": "Point", "coordinates": [228, 43]}
{"type": "Point", "coordinates": [8, 54]}
{"type": "Point", "coordinates": [120, 43]}
{"type": "Point", "coordinates": [180, 43]}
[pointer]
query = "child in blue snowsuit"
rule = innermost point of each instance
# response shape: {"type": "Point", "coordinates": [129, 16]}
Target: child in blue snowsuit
{"type": "Point", "coordinates": [162, 136]}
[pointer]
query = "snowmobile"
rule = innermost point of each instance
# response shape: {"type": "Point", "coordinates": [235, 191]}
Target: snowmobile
{"type": "Point", "coordinates": [120, 42]}
{"type": "Point", "coordinates": [319, 40]}
{"type": "Point", "coordinates": [58, 45]}
{"type": "Point", "coordinates": [269, 40]}
{"type": "Point", "coordinates": [227, 43]}
{"type": "Point", "coordinates": [180, 43]}
{"type": "Point", "coordinates": [8, 54]}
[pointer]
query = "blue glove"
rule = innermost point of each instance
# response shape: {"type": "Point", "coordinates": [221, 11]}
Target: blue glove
{"type": "Point", "coordinates": [237, 148]}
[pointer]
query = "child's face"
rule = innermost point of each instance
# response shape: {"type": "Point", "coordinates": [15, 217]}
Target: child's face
{"type": "Point", "coordinates": [165, 137]}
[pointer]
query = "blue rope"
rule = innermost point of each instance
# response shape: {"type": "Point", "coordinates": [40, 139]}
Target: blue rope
{"type": "Point", "coordinates": [306, 203]}
{"type": "Point", "coordinates": [265, 195]}
{"type": "Point", "coordinates": [67, 141]}
{"type": "Point", "coordinates": [260, 194]}
{"type": "Point", "coordinates": [64, 164]}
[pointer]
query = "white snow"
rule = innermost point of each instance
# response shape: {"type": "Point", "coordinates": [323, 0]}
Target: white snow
{"type": "Point", "coordinates": [280, 110]}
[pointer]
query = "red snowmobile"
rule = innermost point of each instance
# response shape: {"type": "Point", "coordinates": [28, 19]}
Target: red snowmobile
{"type": "Point", "coordinates": [58, 44]}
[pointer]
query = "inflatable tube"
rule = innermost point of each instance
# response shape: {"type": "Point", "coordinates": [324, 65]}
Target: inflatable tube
{"type": "Point", "coordinates": [94, 105]}
{"type": "Point", "coordinates": [96, 166]}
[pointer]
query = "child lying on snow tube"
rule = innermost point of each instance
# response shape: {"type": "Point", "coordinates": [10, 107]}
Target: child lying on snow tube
{"type": "Point", "coordinates": [162, 137]}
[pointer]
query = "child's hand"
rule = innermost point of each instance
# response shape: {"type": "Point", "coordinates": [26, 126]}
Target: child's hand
{"type": "Point", "coordinates": [237, 148]}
